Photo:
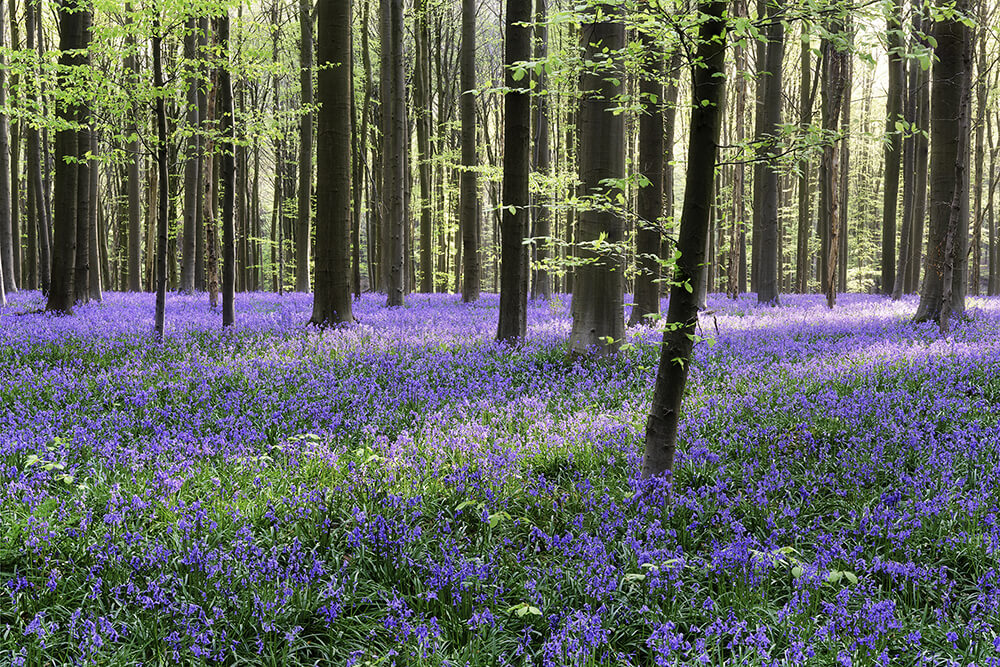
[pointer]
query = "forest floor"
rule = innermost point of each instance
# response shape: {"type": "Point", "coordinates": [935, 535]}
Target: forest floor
{"type": "Point", "coordinates": [408, 492]}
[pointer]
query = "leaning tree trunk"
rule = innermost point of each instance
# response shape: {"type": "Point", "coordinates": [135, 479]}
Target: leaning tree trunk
{"type": "Point", "coordinates": [512, 322]}
{"type": "Point", "coordinates": [942, 294]}
{"type": "Point", "coordinates": [767, 273]}
{"type": "Point", "coordinates": [699, 194]}
{"type": "Point", "coordinates": [649, 207]}
{"type": "Point", "coordinates": [72, 26]}
{"type": "Point", "coordinates": [227, 169]}
{"type": "Point", "coordinates": [598, 301]}
{"type": "Point", "coordinates": [302, 230]}
{"type": "Point", "coordinates": [332, 300]}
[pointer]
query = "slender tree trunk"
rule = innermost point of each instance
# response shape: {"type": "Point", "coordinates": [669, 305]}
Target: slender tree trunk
{"type": "Point", "coordinates": [332, 302]}
{"type": "Point", "coordinates": [942, 294]}
{"type": "Point", "coordinates": [98, 259]}
{"type": "Point", "coordinates": [164, 192]}
{"type": "Point", "coordinates": [512, 322]}
{"type": "Point", "coordinates": [7, 281]}
{"type": "Point", "coordinates": [469, 179]}
{"type": "Point", "coordinates": [192, 161]}
{"type": "Point", "coordinates": [302, 232]}
{"type": "Point", "coordinates": [991, 255]}
{"type": "Point", "coordinates": [133, 189]}
{"type": "Point", "coordinates": [682, 312]}
{"type": "Point", "coordinates": [35, 162]}
{"type": "Point", "coordinates": [920, 170]}
{"type": "Point", "coordinates": [209, 196]}
{"type": "Point", "coordinates": [15, 161]}
{"type": "Point", "coordinates": [541, 285]}
{"type": "Point", "coordinates": [909, 164]}
{"type": "Point", "coordinates": [834, 80]}
{"type": "Point", "coordinates": [767, 206]}
{"type": "Point", "coordinates": [228, 174]}
{"type": "Point", "coordinates": [649, 209]}
{"type": "Point", "coordinates": [423, 116]}
{"type": "Point", "coordinates": [845, 172]}
{"type": "Point", "coordinates": [802, 258]}
{"type": "Point", "coordinates": [394, 136]}
{"type": "Point", "coordinates": [893, 144]}
{"type": "Point", "coordinates": [977, 193]}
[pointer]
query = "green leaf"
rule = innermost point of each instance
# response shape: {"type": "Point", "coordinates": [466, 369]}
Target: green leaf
{"type": "Point", "coordinates": [797, 571]}
{"type": "Point", "coordinates": [518, 74]}
{"type": "Point", "coordinates": [851, 577]}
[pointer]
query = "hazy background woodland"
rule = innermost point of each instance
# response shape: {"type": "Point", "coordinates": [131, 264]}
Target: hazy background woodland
{"type": "Point", "coordinates": [272, 65]}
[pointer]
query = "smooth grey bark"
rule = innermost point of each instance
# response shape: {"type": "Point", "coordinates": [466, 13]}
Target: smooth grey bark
{"type": "Point", "coordinates": [469, 180]}
{"type": "Point", "coordinates": [541, 284]}
{"type": "Point", "coordinates": [766, 206]}
{"type": "Point", "coordinates": [7, 281]}
{"type": "Point", "coordinates": [682, 312]}
{"type": "Point", "coordinates": [303, 240]}
{"type": "Point", "coordinates": [893, 144]}
{"type": "Point", "coordinates": [512, 322]}
{"type": "Point", "coordinates": [332, 304]}
{"type": "Point", "coordinates": [97, 253]}
{"type": "Point", "coordinates": [802, 263]}
{"type": "Point", "coordinates": [649, 204]}
{"type": "Point", "coordinates": [394, 139]}
{"type": "Point", "coordinates": [36, 181]}
{"type": "Point", "coordinates": [192, 162]}
{"type": "Point", "coordinates": [227, 173]}
{"type": "Point", "coordinates": [598, 299]}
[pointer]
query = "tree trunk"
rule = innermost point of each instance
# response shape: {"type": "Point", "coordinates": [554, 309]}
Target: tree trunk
{"type": "Point", "coordinates": [649, 207]}
{"type": "Point", "coordinates": [36, 181]}
{"type": "Point", "coordinates": [72, 37]}
{"type": "Point", "coordinates": [227, 170]}
{"type": "Point", "coordinates": [7, 282]}
{"type": "Point", "coordinates": [834, 79]}
{"type": "Point", "coordinates": [909, 164]}
{"type": "Point", "coordinates": [767, 205]}
{"type": "Point", "coordinates": [942, 294]}
{"type": "Point", "coordinates": [512, 322]}
{"type": "Point", "coordinates": [192, 161]}
{"type": "Point", "coordinates": [802, 263]}
{"type": "Point", "coordinates": [598, 302]}
{"type": "Point", "coordinates": [682, 313]}
{"type": "Point", "coordinates": [469, 179]}
{"type": "Point", "coordinates": [98, 251]}
{"type": "Point", "coordinates": [920, 170]}
{"type": "Point", "coordinates": [164, 188]}
{"type": "Point", "coordinates": [394, 137]}
{"type": "Point", "coordinates": [541, 284]}
{"type": "Point", "coordinates": [332, 301]}
{"type": "Point", "coordinates": [302, 231]}
{"type": "Point", "coordinates": [133, 189]}
{"type": "Point", "coordinates": [977, 194]}
{"type": "Point", "coordinates": [893, 144]}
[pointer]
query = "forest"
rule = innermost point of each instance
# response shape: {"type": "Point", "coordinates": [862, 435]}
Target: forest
{"type": "Point", "coordinates": [499, 332]}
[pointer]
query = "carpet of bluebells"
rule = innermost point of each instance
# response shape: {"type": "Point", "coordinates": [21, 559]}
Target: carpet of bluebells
{"type": "Point", "coordinates": [408, 492]}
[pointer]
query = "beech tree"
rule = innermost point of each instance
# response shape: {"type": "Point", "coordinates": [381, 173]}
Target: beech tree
{"type": "Point", "coordinates": [707, 90]}
{"type": "Point", "coordinates": [516, 164]}
{"type": "Point", "coordinates": [332, 299]}
{"type": "Point", "coordinates": [598, 300]}
{"type": "Point", "coordinates": [943, 292]}
{"type": "Point", "coordinates": [469, 186]}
